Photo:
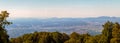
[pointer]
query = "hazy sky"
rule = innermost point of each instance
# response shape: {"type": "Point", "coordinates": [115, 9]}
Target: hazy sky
{"type": "Point", "coordinates": [61, 8]}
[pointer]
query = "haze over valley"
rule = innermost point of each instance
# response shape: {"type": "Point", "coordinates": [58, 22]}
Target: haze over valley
{"type": "Point", "coordinates": [92, 25]}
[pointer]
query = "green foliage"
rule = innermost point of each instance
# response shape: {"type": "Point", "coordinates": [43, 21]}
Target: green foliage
{"type": "Point", "coordinates": [41, 37]}
{"type": "Point", "coordinates": [116, 33]}
{"type": "Point", "coordinates": [116, 30]}
{"type": "Point", "coordinates": [4, 38]}
{"type": "Point", "coordinates": [57, 37]}
{"type": "Point", "coordinates": [74, 38]}
{"type": "Point", "coordinates": [103, 39]}
{"type": "Point", "coordinates": [91, 40]}
{"type": "Point", "coordinates": [77, 38]}
{"type": "Point", "coordinates": [115, 40]}
{"type": "Point", "coordinates": [72, 41]}
{"type": "Point", "coordinates": [74, 35]}
{"type": "Point", "coordinates": [107, 32]}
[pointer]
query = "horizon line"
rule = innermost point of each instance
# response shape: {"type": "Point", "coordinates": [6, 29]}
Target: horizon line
{"type": "Point", "coordinates": [65, 17]}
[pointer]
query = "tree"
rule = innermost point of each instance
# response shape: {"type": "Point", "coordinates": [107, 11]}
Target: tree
{"type": "Point", "coordinates": [116, 33]}
{"type": "Point", "coordinates": [72, 41]}
{"type": "Point", "coordinates": [116, 30]}
{"type": "Point", "coordinates": [103, 39]}
{"type": "Point", "coordinates": [77, 38]}
{"type": "Point", "coordinates": [57, 37]}
{"type": "Point", "coordinates": [91, 40]}
{"type": "Point", "coordinates": [65, 37]}
{"type": "Point", "coordinates": [4, 38]}
{"type": "Point", "coordinates": [74, 35]}
{"type": "Point", "coordinates": [107, 32]}
{"type": "Point", "coordinates": [74, 38]}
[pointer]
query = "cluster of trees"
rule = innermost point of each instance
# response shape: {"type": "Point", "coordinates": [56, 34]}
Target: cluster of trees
{"type": "Point", "coordinates": [110, 34]}
{"type": "Point", "coordinates": [41, 37]}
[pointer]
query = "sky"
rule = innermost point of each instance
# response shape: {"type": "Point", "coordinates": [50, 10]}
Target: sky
{"type": "Point", "coordinates": [60, 8]}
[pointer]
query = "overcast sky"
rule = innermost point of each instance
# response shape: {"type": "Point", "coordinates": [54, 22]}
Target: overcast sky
{"type": "Point", "coordinates": [60, 8]}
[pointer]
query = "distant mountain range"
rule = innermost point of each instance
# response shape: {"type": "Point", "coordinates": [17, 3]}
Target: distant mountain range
{"type": "Point", "coordinates": [91, 25]}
